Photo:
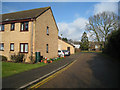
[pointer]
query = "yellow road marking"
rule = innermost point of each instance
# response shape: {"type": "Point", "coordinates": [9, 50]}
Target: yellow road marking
{"type": "Point", "coordinates": [52, 76]}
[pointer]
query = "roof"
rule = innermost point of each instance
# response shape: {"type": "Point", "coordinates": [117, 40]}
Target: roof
{"type": "Point", "coordinates": [27, 14]}
{"type": "Point", "coordinates": [65, 41]}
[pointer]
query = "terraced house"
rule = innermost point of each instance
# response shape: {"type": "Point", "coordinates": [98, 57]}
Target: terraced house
{"type": "Point", "coordinates": [28, 32]}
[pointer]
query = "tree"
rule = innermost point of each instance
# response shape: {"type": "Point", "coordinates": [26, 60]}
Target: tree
{"type": "Point", "coordinates": [65, 39]}
{"type": "Point", "coordinates": [84, 45]}
{"type": "Point", "coordinates": [100, 25]}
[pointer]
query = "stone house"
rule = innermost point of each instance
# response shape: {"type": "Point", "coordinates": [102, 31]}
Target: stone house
{"type": "Point", "coordinates": [63, 45]}
{"type": "Point", "coordinates": [28, 32]}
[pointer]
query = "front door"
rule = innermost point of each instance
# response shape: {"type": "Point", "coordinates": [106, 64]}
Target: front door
{"type": "Point", "coordinates": [68, 48]}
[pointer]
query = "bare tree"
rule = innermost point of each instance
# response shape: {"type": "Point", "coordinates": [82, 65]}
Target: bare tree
{"type": "Point", "coordinates": [102, 24]}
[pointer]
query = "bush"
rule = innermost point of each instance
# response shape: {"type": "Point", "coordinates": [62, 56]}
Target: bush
{"type": "Point", "coordinates": [18, 57]}
{"type": "Point", "coordinates": [112, 46]}
{"type": "Point", "coordinates": [32, 58]}
{"type": "Point", "coordinates": [3, 58]}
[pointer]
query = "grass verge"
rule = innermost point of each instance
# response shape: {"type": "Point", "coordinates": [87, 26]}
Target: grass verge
{"type": "Point", "coordinates": [92, 51]}
{"type": "Point", "coordinates": [9, 68]}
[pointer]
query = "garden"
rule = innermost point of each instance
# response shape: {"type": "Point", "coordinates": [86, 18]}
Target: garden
{"type": "Point", "coordinates": [17, 64]}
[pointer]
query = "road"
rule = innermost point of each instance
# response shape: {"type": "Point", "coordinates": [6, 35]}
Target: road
{"type": "Point", "coordinates": [91, 70]}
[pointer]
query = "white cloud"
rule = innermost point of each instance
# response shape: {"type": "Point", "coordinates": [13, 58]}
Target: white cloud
{"type": "Point", "coordinates": [77, 15]}
{"type": "Point", "coordinates": [73, 30]}
{"type": "Point", "coordinates": [106, 6]}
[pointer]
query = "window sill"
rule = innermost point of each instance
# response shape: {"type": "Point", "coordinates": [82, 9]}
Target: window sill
{"type": "Point", "coordinates": [1, 31]}
{"type": "Point", "coordinates": [24, 30]}
{"type": "Point", "coordinates": [12, 30]}
{"type": "Point", "coordinates": [23, 52]}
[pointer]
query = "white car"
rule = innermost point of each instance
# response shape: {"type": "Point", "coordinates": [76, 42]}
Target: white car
{"type": "Point", "coordinates": [66, 52]}
{"type": "Point", "coordinates": [60, 53]}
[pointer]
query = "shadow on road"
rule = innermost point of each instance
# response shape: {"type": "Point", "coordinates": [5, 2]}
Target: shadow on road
{"type": "Point", "coordinates": [105, 70]}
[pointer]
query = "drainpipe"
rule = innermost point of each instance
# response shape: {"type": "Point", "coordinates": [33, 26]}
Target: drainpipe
{"type": "Point", "coordinates": [32, 39]}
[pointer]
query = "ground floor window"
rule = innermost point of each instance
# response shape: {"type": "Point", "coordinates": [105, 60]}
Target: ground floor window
{"type": "Point", "coordinates": [11, 46]}
{"type": "Point", "coordinates": [2, 27]}
{"type": "Point", "coordinates": [24, 47]}
{"type": "Point", "coordinates": [46, 48]}
{"type": "Point", "coordinates": [1, 46]}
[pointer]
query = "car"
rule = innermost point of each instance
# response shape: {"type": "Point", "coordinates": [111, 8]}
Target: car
{"type": "Point", "coordinates": [66, 52]}
{"type": "Point", "coordinates": [60, 53]}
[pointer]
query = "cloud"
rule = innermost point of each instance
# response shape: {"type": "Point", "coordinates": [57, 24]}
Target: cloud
{"type": "Point", "coordinates": [106, 6]}
{"type": "Point", "coordinates": [73, 30]}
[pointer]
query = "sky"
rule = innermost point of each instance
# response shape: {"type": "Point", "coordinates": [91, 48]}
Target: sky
{"type": "Point", "coordinates": [71, 17]}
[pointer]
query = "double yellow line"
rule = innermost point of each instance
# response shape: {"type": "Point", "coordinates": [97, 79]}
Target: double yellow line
{"type": "Point", "coordinates": [52, 76]}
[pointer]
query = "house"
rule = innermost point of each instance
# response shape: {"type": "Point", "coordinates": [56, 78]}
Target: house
{"type": "Point", "coordinates": [77, 46]}
{"type": "Point", "coordinates": [94, 46]}
{"type": "Point", "coordinates": [63, 45]}
{"type": "Point", "coordinates": [28, 32]}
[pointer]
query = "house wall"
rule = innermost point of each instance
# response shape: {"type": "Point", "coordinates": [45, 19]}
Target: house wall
{"type": "Point", "coordinates": [41, 38]}
{"type": "Point", "coordinates": [16, 37]}
{"type": "Point", "coordinates": [63, 46]}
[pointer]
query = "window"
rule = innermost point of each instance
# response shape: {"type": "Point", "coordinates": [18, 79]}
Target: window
{"type": "Point", "coordinates": [24, 47]}
{"type": "Point", "coordinates": [46, 48]}
{"type": "Point", "coordinates": [12, 26]}
{"type": "Point", "coordinates": [1, 46]}
{"type": "Point", "coordinates": [2, 27]}
{"type": "Point", "coordinates": [11, 46]}
{"type": "Point", "coordinates": [47, 30]}
{"type": "Point", "coordinates": [24, 26]}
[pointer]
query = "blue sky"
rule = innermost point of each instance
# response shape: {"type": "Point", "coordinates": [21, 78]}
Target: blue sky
{"type": "Point", "coordinates": [71, 17]}
{"type": "Point", "coordinates": [63, 11]}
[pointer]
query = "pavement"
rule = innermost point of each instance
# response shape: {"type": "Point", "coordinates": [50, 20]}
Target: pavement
{"type": "Point", "coordinates": [91, 70]}
{"type": "Point", "coordinates": [25, 78]}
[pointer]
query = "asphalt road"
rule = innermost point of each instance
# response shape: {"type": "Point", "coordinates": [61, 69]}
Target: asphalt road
{"type": "Point", "coordinates": [91, 70]}
{"type": "Point", "coordinates": [21, 79]}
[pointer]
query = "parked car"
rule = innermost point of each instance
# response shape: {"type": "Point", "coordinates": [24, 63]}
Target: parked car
{"type": "Point", "coordinates": [66, 52]}
{"type": "Point", "coordinates": [60, 53]}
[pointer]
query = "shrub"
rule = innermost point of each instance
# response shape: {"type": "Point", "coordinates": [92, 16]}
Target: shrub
{"type": "Point", "coordinates": [18, 57]}
{"type": "Point", "coordinates": [3, 58]}
{"type": "Point", "coordinates": [32, 58]}
{"type": "Point", "coordinates": [112, 46]}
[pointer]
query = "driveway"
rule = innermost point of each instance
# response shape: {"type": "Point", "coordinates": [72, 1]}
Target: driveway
{"type": "Point", "coordinates": [91, 70]}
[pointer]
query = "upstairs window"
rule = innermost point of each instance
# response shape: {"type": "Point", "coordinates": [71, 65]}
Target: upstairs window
{"type": "Point", "coordinates": [24, 26]}
{"type": "Point", "coordinates": [11, 46]}
{"type": "Point", "coordinates": [1, 46]}
{"type": "Point", "coordinates": [24, 47]}
{"type": "Point", "coordinates": [47, 30]}
{"type": "Point", "coordinates": [12, 26]}
{"type": "Point", "coordinates": [2, 27]}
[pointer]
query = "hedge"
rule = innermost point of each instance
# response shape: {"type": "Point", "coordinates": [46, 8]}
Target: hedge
{"type": "Point", "coordinates": [112, 46]}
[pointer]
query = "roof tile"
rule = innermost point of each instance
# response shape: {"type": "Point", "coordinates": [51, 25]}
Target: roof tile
{"type": "Point", "coordinates": [27, 14]}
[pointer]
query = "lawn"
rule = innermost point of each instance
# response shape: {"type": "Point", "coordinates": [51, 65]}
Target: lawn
{"type": "Point", "coordinates": [9, 68]}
